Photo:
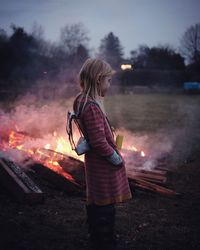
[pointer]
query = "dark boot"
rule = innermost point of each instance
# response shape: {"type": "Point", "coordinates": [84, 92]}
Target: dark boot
{"type": "Point", "coordinates": [101, 220]}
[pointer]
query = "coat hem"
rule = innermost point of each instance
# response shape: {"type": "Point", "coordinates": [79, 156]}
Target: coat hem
{"type": "Point", "coordinates": [108, 201]}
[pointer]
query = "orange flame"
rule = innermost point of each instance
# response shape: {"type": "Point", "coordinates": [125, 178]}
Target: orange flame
{"type": "Point", "coordinates": [15, 139]}
{"type": "Point", "coordinates": [49, 158]}
{"type": "Point", "coordinates": [51, 154]}
{"type": "Point", "coordinates": [133, 148]}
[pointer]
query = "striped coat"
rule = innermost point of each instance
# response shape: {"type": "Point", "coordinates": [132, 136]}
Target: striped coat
{"type": "Point", "coordinates": [105, 183]}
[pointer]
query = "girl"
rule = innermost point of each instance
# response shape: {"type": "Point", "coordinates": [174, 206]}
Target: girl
{"type": "Point", "coordinates": [106, 181]}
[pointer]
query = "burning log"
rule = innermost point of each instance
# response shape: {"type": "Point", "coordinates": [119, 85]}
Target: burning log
{"type": "Point", "coordinates": [76, 169]}
{"type": "Point", "coordinates": [18, 183]}
{"type": "Point", "coordinates": [68, 165]}
{"type": "Point", "coordinates": [65, 183]}
{"type": "Point", "coordinates": [69, 159]}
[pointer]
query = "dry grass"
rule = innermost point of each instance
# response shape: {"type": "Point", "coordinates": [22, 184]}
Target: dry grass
{"type": "Point", "coordinates": [151, 112]}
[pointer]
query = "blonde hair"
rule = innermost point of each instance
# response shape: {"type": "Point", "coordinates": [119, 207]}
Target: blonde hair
{"type": "Point", "coordinates": [90, 74]}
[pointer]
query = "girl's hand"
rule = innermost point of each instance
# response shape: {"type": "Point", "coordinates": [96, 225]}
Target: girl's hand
{"type": "Point", "coordinates": [116, 160]}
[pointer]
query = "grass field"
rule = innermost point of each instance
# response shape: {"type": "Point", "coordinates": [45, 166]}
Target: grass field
{"type": "Point", "coordinates": [151, 112]}
{"type": "Point", "coordinates": [160, 123]}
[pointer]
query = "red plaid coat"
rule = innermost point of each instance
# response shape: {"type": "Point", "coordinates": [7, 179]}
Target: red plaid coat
{"type": "Point", "coordinates": [104, 182]}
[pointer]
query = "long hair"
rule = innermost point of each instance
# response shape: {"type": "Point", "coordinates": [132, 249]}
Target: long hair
{"type": "Point", "coordinates": [92, 71]}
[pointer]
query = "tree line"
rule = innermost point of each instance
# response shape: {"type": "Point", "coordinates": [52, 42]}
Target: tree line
{"type": "Point", "coordinates": [26, 57]}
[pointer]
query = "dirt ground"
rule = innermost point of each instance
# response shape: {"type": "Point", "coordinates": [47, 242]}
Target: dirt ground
{"type": "Point", "coordinates": [148, 221]}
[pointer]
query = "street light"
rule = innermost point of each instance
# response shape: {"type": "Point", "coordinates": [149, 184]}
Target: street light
{"type": "Point", "coordinates": [126, 66]}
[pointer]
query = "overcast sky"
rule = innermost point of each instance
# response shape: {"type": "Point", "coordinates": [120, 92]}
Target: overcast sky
{"type": "Point", "coordinates": [135, 22]}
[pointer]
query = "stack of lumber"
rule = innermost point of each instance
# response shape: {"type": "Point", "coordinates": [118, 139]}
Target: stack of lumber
{"type": "Point", "coordinates": [150, 180]}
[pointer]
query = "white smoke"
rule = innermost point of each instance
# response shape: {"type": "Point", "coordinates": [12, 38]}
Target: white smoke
{"type": "Point", "coordinates": [38, 119]}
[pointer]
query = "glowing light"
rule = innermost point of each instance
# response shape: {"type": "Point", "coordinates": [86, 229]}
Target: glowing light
{"type": "Point", "coordinates": [142, 154]}
{"type": "Point", "coordinates": [126, 66]}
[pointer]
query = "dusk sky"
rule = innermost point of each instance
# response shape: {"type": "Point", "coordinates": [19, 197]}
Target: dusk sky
{"type": "Point", "coordinates": [135, 22]}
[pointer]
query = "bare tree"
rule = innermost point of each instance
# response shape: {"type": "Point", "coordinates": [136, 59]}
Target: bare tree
{"type": "Point", "coordinates": [72, 36]}
{"type": "Point", "coordinates": [37, 31]}
{"type": "Point", "coordinates": [44, 47]}
{"type": "Point", "coordinates": [190, 44]}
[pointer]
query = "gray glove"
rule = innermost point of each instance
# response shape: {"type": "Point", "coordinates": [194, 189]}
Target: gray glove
{"type": "Point", "coordinates": [115, 159]}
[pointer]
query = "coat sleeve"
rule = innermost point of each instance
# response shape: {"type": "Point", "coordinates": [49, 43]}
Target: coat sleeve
{"type": "Point", "coordinates": [93, 121]}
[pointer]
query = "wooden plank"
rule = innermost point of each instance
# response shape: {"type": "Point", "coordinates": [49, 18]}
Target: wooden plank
{"type": "Point", "coordinates": [152, 180]}
{"type": "Point", "coordinates": [59, 181]}
{"type": "Point", "coordinates": [8, 172]}
{"type": "Point", "coordinates": [149, 176]}
{"type": "Point", "coordinates": [153, 187]}
{"type": "Point", "coordinates": [21, 175]}
{"type": "Point", "coordinates": [153, 171]}
{"type": "Point", "coordinates": [162, 168]}
{"type": "Point", "coordinates": [66, 157]}
{"type": "Point", "coordinates": [69, 165]}
{"type": "Point", "coordinates": [19, 185]}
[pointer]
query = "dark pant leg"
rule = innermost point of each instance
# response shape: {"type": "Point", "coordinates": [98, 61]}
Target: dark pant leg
{"type": "Point", "coordinates": [101, 221]}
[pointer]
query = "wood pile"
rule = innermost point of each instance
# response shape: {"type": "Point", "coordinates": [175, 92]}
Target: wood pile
{"type": "Point", "coordinates": [13, 177]}
{"type": "Point", "coordinates": [150, 181]}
